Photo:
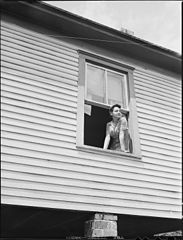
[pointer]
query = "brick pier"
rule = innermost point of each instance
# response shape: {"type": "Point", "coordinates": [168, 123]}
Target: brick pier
{"type": "Point", "coordinates": [102, 225]}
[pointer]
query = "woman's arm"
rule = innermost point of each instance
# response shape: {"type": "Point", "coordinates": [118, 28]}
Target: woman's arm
{"type": "Point", "coordinates": [107, 138]}
{"type": "Point", "coordinates": [124, 135]}
{"type": "Point", "coordinates": [121, 140]}
{"type": "Point", "coordinates": [123, 123]}
{"type": "Point", "coordinates": [106, 141]}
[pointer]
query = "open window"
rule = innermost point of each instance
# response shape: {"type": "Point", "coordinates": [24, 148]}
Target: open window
{"type": "Point", "coordinates": [103, 83]}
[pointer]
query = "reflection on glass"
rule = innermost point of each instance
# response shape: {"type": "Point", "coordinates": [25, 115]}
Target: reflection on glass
{"type": "Point", "coordinates": [95, 84]}
{"type": "Point", "coordinates": [116, 89]}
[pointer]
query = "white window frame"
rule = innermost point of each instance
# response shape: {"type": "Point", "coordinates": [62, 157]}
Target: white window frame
{"type": "Point", "coordinates": [106, 104]}
{"type": "Point", "coordinates": [85, 57]}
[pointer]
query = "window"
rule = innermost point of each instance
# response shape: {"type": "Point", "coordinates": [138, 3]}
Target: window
{"type": "Point", "coordinates": [102, 83]}
{"type": "Point", "coordinates": [105, 86]}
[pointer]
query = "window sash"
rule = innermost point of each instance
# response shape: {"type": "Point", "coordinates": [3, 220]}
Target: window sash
{"type": "Point", "coordinates": [106, 101]}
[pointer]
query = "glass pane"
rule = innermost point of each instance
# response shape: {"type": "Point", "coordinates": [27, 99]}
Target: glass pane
{"type": "Point", "coordinates": [116, 89]}
{"type": "Point", "coordinates": [95, 84]}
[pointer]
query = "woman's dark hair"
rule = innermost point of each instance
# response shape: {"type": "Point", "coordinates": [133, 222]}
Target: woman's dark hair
{"type": "Point", "coordinates": [111, 108]}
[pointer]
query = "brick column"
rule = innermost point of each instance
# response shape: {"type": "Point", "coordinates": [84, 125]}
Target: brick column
{"type": "Point", "coordinates": [102, 225]}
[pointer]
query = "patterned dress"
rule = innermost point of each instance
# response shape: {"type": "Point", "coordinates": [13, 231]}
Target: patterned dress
{"type": "Point", "coordinates": [114, 130]}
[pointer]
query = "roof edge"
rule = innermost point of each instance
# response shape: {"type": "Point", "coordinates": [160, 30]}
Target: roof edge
{"type": "Point", "coordinates": [143, 42]}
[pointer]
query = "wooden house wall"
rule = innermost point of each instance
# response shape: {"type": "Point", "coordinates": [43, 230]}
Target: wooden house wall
{"type": "Point", "coordinates": [41, 165]}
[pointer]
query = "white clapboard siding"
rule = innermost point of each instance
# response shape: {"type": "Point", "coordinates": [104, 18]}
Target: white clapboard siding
{"type": "Point", "coordinates": [86, 177]}
{"type": "Point", "coordinates": [63, 181]}
{"type": "Point", "coordinates": [127, 172]}
{"type": "Point", "coordinates": [41, 165]}
{"type": "Point", "coordinates": [7, 71]}
{"type": "Point", "coordinates": [97, 161]}
{"type": "Point", "coordinates": [165, 80]}
{"type": "Point", "coordinates": [22, 199]}
{"type": "Point", "coordinates": [154, 119]}
{"type": "Point", "coordinates": [173, 97]}
{"type": "Point", "coordinates": [83, 191]}
{"type": "Point", "coordinates": [37, 55]}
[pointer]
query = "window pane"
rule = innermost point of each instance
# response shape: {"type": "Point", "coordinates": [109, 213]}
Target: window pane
{"type": "Point", "coordinates": [116, 89]}
{"type": "Point", "coordinates": [95, 84]}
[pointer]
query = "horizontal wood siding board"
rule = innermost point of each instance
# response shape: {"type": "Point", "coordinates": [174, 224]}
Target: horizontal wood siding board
{"type": "Point", "coordinates": [27, 135]}
{"type": "Point", "coordinates": [169, 123]}
{"type": "Point", "coordinates": [69, 161]}
{"type": "Point", "coordinates": [150, 154]}
{"type": "Point", "coordinates": [89, 177]}
{"type": "Point", "coordinates": [166, 88]}
{"type": "Point", "coordinates": [77, 190]}
{"type": "Point", "coordinates": [45, 164]}
{"type": "Point", "coordinates": [36, 72]}
{"type": "Point", "coordinates": [111, 175]}
{"type": "Point", "coordinates": [142, 86]}
{"type": "Point", "coordinates": [43, 51]}
{"type": "Point", "coordinates": [161, 165]}
{"type": "Point", "coordinates": [158, 78]}
{"type": "Point", "coordinates": [156, 107]}
{"type": "Point", "coordinates": [38, 101]}
{"type": "Point", "coordinates": [90, 199]}
{"type": "Point", "coordinates": [161, 138]}
{"type": "Point", "coordinates": [37, 42]}
{"type": "Point", "coordinates": [170, 134]}
{"type": "Point", "coordinates": [40, 86]}
{"type": "Point", "coordinates": [39, 68]}
{"type": "Point", "coordinates": [61, 181]}
{"type": "Point", "coordinates": [161, 116]}
{"type": "Point", "coordinates": [35, 92]}
{"type": "Point", "coordinates": [27, 145]}
{"type": "Point", "coordinates": [162, 152]}
{"type": "Point", "coordinates": [16, 126]}
{"type": "Point", "coordinates": [162, 127]}
{"type": "Point", "coordinates": [12, 73]}
{"type": "Point", "coordinates": [37, 37]}
{"type": "Point", "coordinates": [30, 201]}
{"type": "Point", "coordinates": [32, 135]}
{"type": "Point", "coordinates": [62, 123]}
{"type": "Point", "coordinates": [86, 159]}
{"type": "Point", "coordinates": [61, 84]}
{"type": "Point", "coordinates": [42, 142]}
{"type": "Point", "coordinates": [52, 65]}
{"type": "Point", "coordinates": [163, 146]}
{"type": "Point", "coordinates": [92, 192]}
{"type": "Point", "coordinates": [173, 139]}
{"type": "Point", "coordinates": [166, 97]}
{"type": "Point", "coordinates": [163, 103]}
{"type": "Point", "coordinates": [16, 50]}
{"type": "Point", "coordinates": [18, 119]}
{"type": "Point", "coordinates": [6, 56]}
{"type": "Point", "coordinates": [39, 108]}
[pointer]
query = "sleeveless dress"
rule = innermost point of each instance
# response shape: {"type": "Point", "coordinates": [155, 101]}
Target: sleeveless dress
{"type": "Point", "coordinates": [114, 131]}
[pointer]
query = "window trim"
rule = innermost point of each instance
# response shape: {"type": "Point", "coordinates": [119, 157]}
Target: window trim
{"type": "Point", "coordinates": [133, 121]}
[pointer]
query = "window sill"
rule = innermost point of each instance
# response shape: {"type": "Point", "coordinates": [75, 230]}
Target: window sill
{"type": "Point", "coordinates": [107, 152]}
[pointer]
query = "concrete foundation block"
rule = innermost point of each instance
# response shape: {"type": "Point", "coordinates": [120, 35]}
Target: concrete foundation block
{"type": "Point", "coordinates": [98, 216]}
{"type": "Point", "coordinates": [100, 228]}
{"type": "Point", "coordinates": [110, 217]}
{"type": "Point", "coordinates": [102, 216]}
{"type": "Point", "coordinates": [101, 233]}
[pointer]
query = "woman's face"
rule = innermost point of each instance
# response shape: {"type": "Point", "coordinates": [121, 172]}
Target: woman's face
{"type": "Point", "coordinates": [116, 113]}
